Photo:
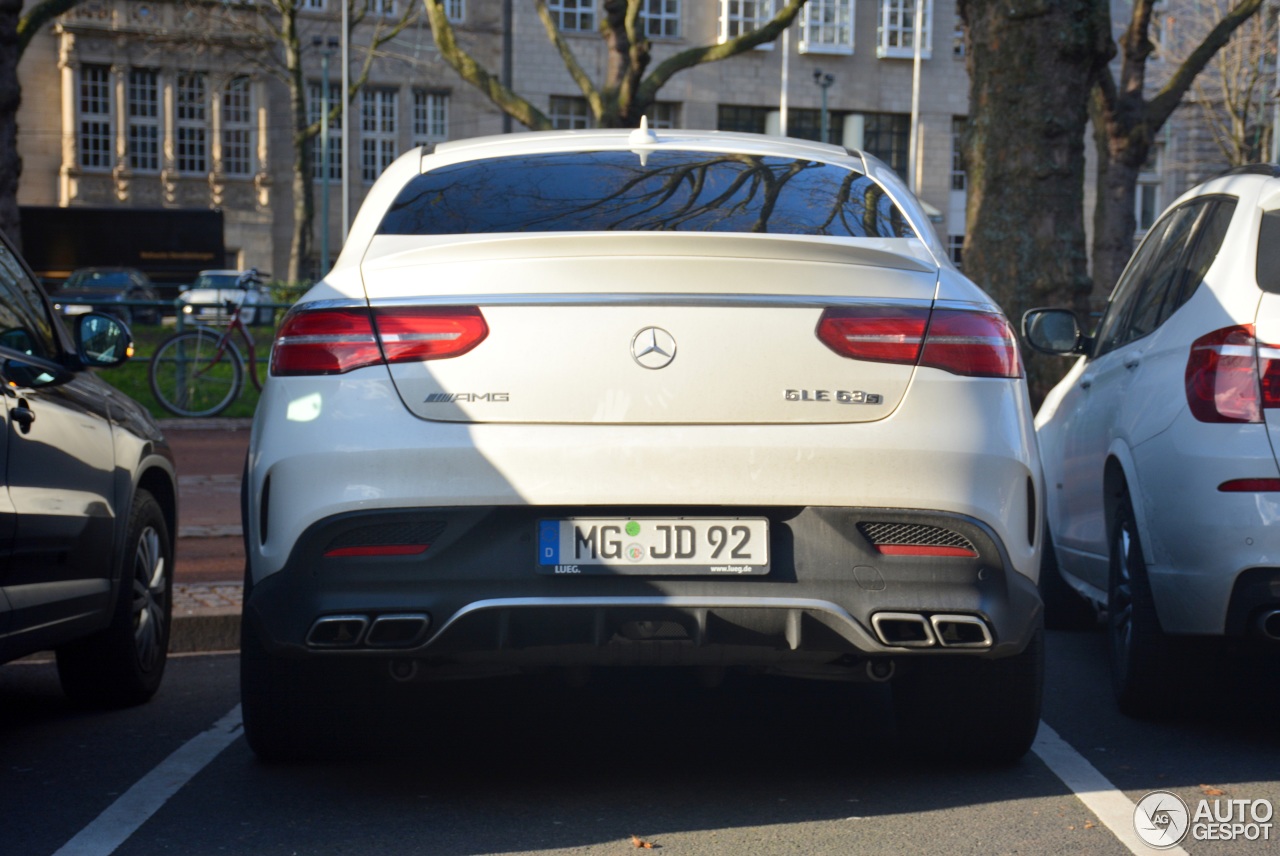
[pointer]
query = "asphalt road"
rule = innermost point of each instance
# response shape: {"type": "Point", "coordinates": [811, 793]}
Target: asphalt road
{"type": "Point", "coordinates": [756, 767]}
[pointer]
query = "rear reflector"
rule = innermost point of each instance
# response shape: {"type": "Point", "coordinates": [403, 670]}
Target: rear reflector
{"type": "Point", "coordinates": [925, 550]}
{"type": "Point", "coordinates": [1250, 486]}
{"type": "Point", "coordinates": [334, 341]}
{"type": "Point", "coordinates": [977, 344]}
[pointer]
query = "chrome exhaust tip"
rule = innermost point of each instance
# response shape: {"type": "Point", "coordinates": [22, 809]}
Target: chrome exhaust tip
{"type": "Point", "coordinates": [1269, 624]}
{"type": "Point", "coordinates": [337, 631]}
{"type": "Point", "coordinates": [961, 631]}
{"type": "Point", "coordinates": [398, 631]}
{"type": "Point", "coordinates": [903, 630]}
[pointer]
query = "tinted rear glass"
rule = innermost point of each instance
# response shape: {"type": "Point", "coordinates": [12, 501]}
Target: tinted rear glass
{"type": "Point", "coordinates": [1269, 252]}
{"type": "Point", "coordinates": [670, 191]}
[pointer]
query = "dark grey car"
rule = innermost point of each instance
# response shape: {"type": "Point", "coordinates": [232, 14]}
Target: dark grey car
{"type": "Point", "coordinates": [88, 506]}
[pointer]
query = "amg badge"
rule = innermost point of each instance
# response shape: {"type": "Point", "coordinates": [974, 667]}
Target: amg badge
{"type": "Point", "coordinates": [451, 397]}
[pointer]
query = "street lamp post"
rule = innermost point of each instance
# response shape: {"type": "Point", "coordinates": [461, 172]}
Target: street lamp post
{"type": "Point", "coordinates": [824, 82]}
{"type": "Point", "coordinates": [327, 47]}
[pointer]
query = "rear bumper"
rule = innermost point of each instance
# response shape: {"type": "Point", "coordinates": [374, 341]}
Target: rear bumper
{"type": "Point", "coordinates": [475, 598]}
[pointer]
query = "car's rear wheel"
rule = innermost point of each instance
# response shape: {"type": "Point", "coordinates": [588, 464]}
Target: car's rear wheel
{"type": "Point", "coordinates": [1143, 661]}
{"type": "Point", "coordinates": [123, 664]}
{"type": "Point", "coordinates": [300, 710]}
{"type": "Point", "coordinates": [972, 710]}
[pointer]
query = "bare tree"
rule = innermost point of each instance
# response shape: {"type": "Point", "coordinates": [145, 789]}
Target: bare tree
{"type": "Point", "coordinates": [1232, 95]}
{"type": "Point", "coordinates": [1126, 122]}
{"type": "Point", "coordinates": [627, 91]}
{"type": "Point", "coordinates": [267, 36]}
{"type": "Point", "coordinates": [16, 30]}
{"type": "Point", "coordinates": [1031, 65]}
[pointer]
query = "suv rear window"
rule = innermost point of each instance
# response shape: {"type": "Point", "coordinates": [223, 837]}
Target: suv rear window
{"type": "Point", "coordinates": [664, 191]}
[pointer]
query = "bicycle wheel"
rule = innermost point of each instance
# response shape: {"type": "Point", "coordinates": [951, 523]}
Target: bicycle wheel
{"type": "Point", "coordinates": [192, 376]}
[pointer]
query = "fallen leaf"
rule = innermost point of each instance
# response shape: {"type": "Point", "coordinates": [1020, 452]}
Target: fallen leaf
{"type": "Point", "coordinates": [1088, 824]}
{"type": "Point", "coordinates": [637, 841]}
{"type": "Point", "coordinates": [1211, 791]}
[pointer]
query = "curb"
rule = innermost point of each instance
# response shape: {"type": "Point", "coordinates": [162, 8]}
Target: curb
{"type": "Point", "coordinates": [215, 423]}
{"type": "Point", "coordinates": [205, 632]}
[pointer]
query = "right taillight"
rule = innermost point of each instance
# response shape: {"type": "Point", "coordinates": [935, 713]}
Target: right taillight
{"type": "Point", "coordinates": [1222, 378]}
{"type": "Point", "coordinates": [335, 341]}
{"type": "Point", "coordinates": [976, 344]}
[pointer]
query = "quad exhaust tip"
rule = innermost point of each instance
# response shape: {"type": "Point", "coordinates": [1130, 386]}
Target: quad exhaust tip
{"type": "Point", "coordinates": [399, 630]}
{"type": "Point", "coordinates": [915, 630]}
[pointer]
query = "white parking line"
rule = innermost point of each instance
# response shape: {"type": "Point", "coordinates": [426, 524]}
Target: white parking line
{"type": "Point", "coordinates": [136, 805]}
{"type": "Point", "coordinates": [1107, 802]}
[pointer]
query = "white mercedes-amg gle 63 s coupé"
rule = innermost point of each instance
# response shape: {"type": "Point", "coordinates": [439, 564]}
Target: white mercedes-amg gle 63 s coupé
{"type": "Point", "coordinates": [604, 399]}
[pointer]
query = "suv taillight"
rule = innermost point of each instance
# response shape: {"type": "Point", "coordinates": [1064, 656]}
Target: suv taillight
{"type": "Point", "coordinates": [977, 344]}
{"type": "Point", "coordinates": [334, 341]}
{"type": "Point", "coordinates": [1231, 377]}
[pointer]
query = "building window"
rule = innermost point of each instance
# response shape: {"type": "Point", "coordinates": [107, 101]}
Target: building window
{"type": "Point", "coordinates": [191, 128]}
{"type": "Point", "coordinates": [315, 93]}
{"type": "Point", "coordinates": [734, 117]}
{"type": "Point", "coordinates": [379, 142]}
{"type": "Point", "coordinates": [455, 10]}
{"type": "Point", "coordinates": [805, 123]}
{"type": "Point", "coordinates": [827, 27]}
{"type": "Point", "coordinates": [430, 117]}
{"type": "Point", "coordinates": [663, 114]}
{"type": "Point", "coordinates": [386, 8]}
{"type": "Point", "coordinates": [568, 112]}
{"type": "Point", "coordinates": [888, 136]}
{"type": "Point", "coordinates": [237, 128]}
{"type": "Point", "coordinates": [898, 28]}
{"type": "Point", "coordinates": [959, 181]}
{"type": "Point", "coordinates": [144, 119]}
{"type": "Point", "coordinates": [957, 42]}
{"type": "Point", "coordinates": [313, 5]}
{"type": "Point", "coordinates": [742, 16]}
{"type": "Point", "coordinates": [955, 249]}
{"type": "Point", "coordinates": [95, 138]}
{"type": "Point", "coordinates": [661, 19]}
{"type": "Point", "coordinates": [573, 15]}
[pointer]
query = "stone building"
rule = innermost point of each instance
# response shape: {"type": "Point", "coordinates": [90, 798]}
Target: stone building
{"type": "Point", "coordinates": [163, 104]}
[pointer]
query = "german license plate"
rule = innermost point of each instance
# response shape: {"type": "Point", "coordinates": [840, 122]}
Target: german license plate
{"type": "Point", "coordinates": [652, 545]}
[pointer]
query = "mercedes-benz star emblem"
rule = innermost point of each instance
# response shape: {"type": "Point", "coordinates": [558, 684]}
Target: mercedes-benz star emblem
{"type": "Point", "coordinates": [653, 348]}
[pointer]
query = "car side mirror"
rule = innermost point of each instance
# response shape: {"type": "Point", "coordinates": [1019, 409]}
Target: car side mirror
{"type": "Point", "coordinates": [1054, 331]}
{"type": "Point", "coordinates": [103, 341]}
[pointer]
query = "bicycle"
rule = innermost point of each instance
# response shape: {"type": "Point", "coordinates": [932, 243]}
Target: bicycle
{"type": "Point", "coordinates": [200, 371]}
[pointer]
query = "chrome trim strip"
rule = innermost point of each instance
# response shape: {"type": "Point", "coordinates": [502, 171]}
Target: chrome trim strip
{"type": "Point", "coordinates": [630, 299]}
{"type": "Point", "coordinates": [678, 601]}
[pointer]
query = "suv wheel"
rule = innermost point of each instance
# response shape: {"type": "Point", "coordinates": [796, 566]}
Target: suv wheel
{"type": "Point", "coordinates": [1142, 659]}
{"type": "Point", "coordinates": [123, 664]}
{"type": "Point", "coordinates": [971, 710]}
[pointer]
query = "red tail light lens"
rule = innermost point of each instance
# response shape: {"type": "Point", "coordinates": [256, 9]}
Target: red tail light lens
{"type": "Point", "coordinates": [977, 344]}
{"type": "Point", "coordinates": [1222, 376]}
{"type": "Point", "coordinates": [879, 334]}
{"type": "Point", "coordinates": [334, 341]}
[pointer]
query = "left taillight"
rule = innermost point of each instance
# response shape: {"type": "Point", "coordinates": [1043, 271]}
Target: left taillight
{"type": "Point", "coordinates": [334, 341]}
{"type": "Point", "coordinates": [976, 344]}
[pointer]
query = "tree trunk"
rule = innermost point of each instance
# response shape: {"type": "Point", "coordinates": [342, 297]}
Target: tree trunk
{"type": "Point", "coordinates": [10, 98]}
{"type": "Point", "coordinates": [304, 206]}
{"type": "Point", "coordinates": [1114, 222]}
{"type": "Point", "coordinates": [1031, 65]}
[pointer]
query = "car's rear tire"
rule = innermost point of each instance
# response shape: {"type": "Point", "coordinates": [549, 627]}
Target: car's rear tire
{"type": "Point", "coordinates": [124, 664]}
{"type": "Point", "coordinates": [300, 710]}
{"type": "Point", "coordinates": [972, 710]}
{"type": "Point", "coordinates": [1143, 660]}
{"type": "Point", "coordinates": [1064, 607]}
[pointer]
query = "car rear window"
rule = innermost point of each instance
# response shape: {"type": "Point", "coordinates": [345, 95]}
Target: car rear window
{"type": "Point", "coordinates": [1269, 252]}
{"type": "Point", "coordinates": [662, 191]}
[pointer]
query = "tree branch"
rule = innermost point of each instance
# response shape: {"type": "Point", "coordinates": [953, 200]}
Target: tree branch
{"type": "Point", "coordinates": [472, 72]}
{"type": "Point", "coordinates": [39, 15]}
{"type": "Point", "coordinates": [580, 77]}
{"type": "Point", "coordinates": [1162, 105]}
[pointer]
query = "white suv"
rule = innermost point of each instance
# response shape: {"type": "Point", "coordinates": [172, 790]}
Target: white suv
{"type": "Point", "coordinates": [1159, 445]}
{"type": "Point", "coordinates": [615, 398]}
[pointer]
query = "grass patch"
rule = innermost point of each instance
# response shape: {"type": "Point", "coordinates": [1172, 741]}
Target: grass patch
{"type": "Point", "coordinates": [131, 378]}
